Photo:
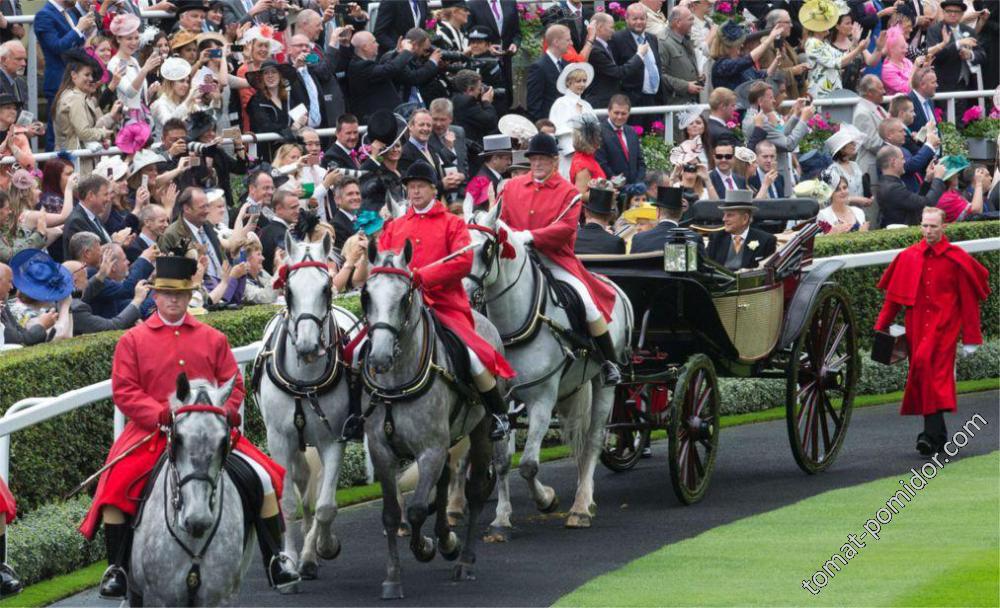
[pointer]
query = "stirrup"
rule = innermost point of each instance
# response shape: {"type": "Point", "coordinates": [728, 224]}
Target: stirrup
{"type": "Point", "coordinates": [110, 576]}
{"type": "Point", "coordinates": [499, 427]}
{"type": "Point", "coordinates": [285, 575]}
{"type": "Point", "coordinates": [611, 373]}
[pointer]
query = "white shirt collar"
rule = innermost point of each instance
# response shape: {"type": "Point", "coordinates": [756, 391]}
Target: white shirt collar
{"type": "Point", "coordinates": [349, 215]}
{"type": "Point", "coordinates": [426, 208]}
{"type": "Point", "coordinates": [743, 235]}
{"type": "Point", "coordinates": [554, 59]}
{"type": "Point", "coordinates": [195, 230]}
{"type": "Point", "coordinates": [280, 221]}
{"type": "Point", "coordinates": [717, 119]}
{"type": "Point", "coordinates": [170, 323]}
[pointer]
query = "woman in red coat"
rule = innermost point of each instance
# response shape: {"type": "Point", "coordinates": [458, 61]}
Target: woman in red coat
{"type": "Point", "coordinates": [9, 583]}
{"type": "Point", "coordinates": [544, 209]}
{"type": "Point", "coordinates": [147, 361]}
{"type": "Point", "coordinates": [435, 233]}
{"type": "Point", "coordinates": [940, 286]}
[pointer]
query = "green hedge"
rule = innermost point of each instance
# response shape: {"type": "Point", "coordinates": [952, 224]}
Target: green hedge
{"type": "Point", "coordinates": [45, 542]}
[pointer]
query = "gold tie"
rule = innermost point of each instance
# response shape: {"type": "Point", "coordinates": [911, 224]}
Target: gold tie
{"type": "Point", "coordinates": [737, 243]}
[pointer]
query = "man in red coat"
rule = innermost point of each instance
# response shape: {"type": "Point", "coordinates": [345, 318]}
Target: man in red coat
{"type": "Point", "coordinates": [940, 286]}
{"type": "Point", "coordinates": [147, 361]}
{"type": "Point", "coordinates": [9, 583]}
{"type": "Point", "coordinates": [543, 209]}
{"type": "Point", "coordinates": [434, 233]}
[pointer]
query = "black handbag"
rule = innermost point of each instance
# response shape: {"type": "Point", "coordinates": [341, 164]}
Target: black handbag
{"type": "Point", "coordinates": [890, 347]}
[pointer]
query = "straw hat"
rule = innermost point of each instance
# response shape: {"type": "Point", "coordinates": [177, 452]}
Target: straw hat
{"type": "Point", "coordinates": [819, 15]}
{"type": "Point", "coordinates": [182, 39]}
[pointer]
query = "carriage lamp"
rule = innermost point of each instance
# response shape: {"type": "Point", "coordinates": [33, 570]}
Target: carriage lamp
{"type": "Point", "coordinates": [680, 252]}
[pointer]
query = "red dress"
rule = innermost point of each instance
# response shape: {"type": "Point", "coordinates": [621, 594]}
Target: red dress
{"type": "Point", "coordinates": [434, 235]}
{"type": "Point", "coordinates": [147, 361]}
{"type": "Point", "coordinates": [531, 206]}
{"type": "Point", "coordinates": [581, 161]}
{"type": "Point", "coordinates": [8, 506]}
{"type": "Point", "coordinates": [941, 287]}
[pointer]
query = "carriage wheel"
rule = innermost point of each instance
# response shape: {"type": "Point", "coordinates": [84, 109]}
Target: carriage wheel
{"type": "Point", "coordinates": [693, 430]}
{"type": "Point", "coordinates": [822, 369]}
{"type": "Point", "coordinates": [623, 442]}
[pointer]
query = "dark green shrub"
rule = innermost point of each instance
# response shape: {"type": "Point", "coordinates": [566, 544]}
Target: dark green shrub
{"type": "Point", "coordinates": [45, 542]}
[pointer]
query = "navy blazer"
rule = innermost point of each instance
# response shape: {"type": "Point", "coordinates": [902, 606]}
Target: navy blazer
{"type": "Point", "coordinates": [608, 76]}
{"type": "Point", "coordinates": [116, 295]}
{"type": "Point", "coordinates": [720, 188]}
{"type": "Point", "coordinates": [754, 182]}
{"type": "Point", "coordinates": [394, 19]}
{"type": "Point", "coordinates": [623, 47]}
{"type": "Point", "coordinates": [56, 37]}
{"type": "Point", "coordinates": [541, 83]}
{"type": "Point", "coordinates": [914, 165]}
{"type": "Point", "coordinates": [920, 117]}
{"type": "Point", "coordinates": [79, 221]}
{"type": "Point", "coordinates": [612, 159]}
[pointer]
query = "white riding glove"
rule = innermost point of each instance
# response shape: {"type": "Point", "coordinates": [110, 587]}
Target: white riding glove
{"type": "Point", "coordinates": [969, 349]}
{"type": "Point", "coordinates": [522, 236]}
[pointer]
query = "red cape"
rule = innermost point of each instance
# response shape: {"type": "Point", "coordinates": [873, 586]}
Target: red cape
{"type": "Point", "coordinates": [902, 277]}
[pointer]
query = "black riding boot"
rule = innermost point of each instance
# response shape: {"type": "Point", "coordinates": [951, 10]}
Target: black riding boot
{"type": "Point", "coordinates": [609, 368]}
{"type": "Point", "coordinates": [497, 408]}
{"type": "Point", "coordinates": [354, 426]}
{"type": "Point", "coordinates": [280, 570]}
{"type": "Point", "coordinates": [118, 541]}
{"type": "Point", "coordinates": [935, 434]}
{"type": "Point", "coordinates": [9, 583]}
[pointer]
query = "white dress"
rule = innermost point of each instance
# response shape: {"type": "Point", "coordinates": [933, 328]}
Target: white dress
{"type": "Point", "coordinates": [130, 98]}
{"type": "Point", "coordinates": [827, 215]}
{"type": "Point", "coordinates": [564, 111]}
{"type": "Point", "coordinates": [163, 109]}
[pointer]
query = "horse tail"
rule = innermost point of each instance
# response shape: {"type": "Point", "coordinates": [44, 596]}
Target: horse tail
{"type": "Point", "coordinates": [575, 419]}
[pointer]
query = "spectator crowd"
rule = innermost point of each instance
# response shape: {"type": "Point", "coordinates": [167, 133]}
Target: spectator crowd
{"type": "Point", "coordinates": [232, 118]}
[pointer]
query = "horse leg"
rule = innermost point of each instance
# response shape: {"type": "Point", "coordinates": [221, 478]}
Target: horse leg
{"type": "Point", "coordinates": [324, 540]}
{"type": "Point", "coordinates": [448, 543]}
{"type": "Point", "coordinates": [387, 469]}
{"type": "Point", "coordinates": [588, 447]}
{"type": "Point", "coordinates": [540, 416]}
{"type": "Point", "coordinates": [430, 464]}
{"type": "Point", "coordinates": [500, 527]}
{"type": "Point", "coordinates": [477, 490]}
{"type": "Point", "coordinates": [294, 498]}
{"type": "Point", "coordinates": [458, 464]}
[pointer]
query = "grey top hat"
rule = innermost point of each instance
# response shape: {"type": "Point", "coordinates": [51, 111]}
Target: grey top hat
{"type": "Point", "coordinates": [741, 200]}
{"type": "Point", "coordinates": [495, 144]}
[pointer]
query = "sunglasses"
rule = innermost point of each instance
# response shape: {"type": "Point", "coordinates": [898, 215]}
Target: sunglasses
{"type": "Point", "coordinates": [723, 156]}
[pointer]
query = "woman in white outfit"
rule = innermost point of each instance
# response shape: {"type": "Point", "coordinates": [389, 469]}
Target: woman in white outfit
{"type": "Point", "coordinates": [131, 89]}
{"type": "Point", "coordinates": [573, 81]}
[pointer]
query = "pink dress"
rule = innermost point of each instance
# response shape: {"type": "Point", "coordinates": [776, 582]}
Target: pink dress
{"type": "Point", "coordinates": [953, 205]}
{"type": "Point", "coordinates": [896, 76]}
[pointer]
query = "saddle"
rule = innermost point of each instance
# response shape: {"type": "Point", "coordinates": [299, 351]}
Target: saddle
{"type": "Point", "coordinates": [454, 349]}
{"type": "Point", "coordinates": [568, 299]}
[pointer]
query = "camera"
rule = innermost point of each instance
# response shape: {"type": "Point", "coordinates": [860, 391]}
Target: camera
{"type": "Point", "coordinates": [236, 48]}
{"type": "Point", "coordinates": [197, 147]}
{"type": "Point", "coordinates": [342, 10]}
{"type": "Point", "coordinates": [450, 56]}
{"type": "Point", "coordinates": [691, 168]}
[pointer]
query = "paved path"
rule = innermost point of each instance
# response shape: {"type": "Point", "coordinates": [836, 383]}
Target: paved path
{"type": "Point", "coordinates": [637, 513]}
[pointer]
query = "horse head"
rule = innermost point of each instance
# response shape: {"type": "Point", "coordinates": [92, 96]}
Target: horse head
{"type": "Point", "coordinates": [492, 250]}
{"type": "Point", "coordinates": [388, 304]}
{"type": "Point", "coordinates": [198, 446]}
{"type": "Point", "coordinates": [308, 293]}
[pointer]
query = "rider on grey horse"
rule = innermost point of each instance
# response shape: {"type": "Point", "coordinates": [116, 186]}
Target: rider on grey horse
{"type": "Point", "coordinates": [146, 364]}
{"type": "Point", "coordinates": [543, 209]}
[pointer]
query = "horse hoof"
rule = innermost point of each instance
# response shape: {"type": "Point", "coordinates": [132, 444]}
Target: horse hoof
{"type": "Point", "coordinates": [392, 591]}
{"type": "Point", "coordinates": [552, 507]}
{"type": "Point", "coordinates": [578, 520]}
{"type": "Point", "coordinates": [456, 548]}
{"type": "Point", "coordinates": [455, 518]}
{"type": "Point", "coordinates": [497, 534]}
{"type": "Point", "coordinates": [309, 571]}
{"type": "Point", "coordinates": [404, 530]}
{"type": "Point", "coordinates": [423, 549]}
{"type": "Point", "coordinates": [463, 572]}
{"type": "Point", "coordinates": [329, 550]}
{"type": "Point", "coordinates": [291, 589]}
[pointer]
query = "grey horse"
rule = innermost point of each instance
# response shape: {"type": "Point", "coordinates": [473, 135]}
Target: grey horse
{"type": "Point", "coordinates": [417, 413]}
{"type": "Point", "coordinates": [552, 374]}
{"type": "Point", "coordinates": [302, 378]}
{"type": "Point", "coordinates": [189, 546]}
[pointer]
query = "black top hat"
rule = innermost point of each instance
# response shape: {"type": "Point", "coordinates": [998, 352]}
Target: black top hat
{"type": "Point", "coordinates": [542, 144]}
{"type": "Point", "coordinates": [174, 273]}
{"type": "Point", "coordinates": [6, 99]}
{"type": "Point", "coordinates": [198, 123]}
{"type": "Point", "coordinates": [669, 198]}
{"type": "Point", "coordinates": [286, 70]}
{"type": "Point", "coordinates": [480, 33]}
{"type": "Point", "coordinates": [184, 6]}
{"type": "Point", "coordinates": [421, 171]}
{"type": "Point", "coordinates": [386, 127]}
{"type": "Point", "coordinates": [600, 201]}
{"type": "Point", "coordinates": [79, 56]}
{"type": "Point", "coordinates": [454, 4]}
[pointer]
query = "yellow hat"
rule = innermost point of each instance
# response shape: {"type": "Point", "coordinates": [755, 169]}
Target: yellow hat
{"type": "Point", "coordinates": [182, 39]}
{"type": "Point", "coordinates": [645, 211]}
{"type": "Point", "coordinates": [819, 15]}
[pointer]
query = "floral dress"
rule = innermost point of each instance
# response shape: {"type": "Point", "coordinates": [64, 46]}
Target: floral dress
{"type": "Point", "coordinates": [824, 67]}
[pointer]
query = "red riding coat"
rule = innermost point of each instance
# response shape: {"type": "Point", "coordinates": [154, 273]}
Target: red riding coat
{"type": "Point", "coordinates": [8, 506]}
{"type": "Point", "coordinates": [941, 287]}
{"type": "Point", "coordinates": [434, 235]}
{"type": "Point", "coordinates": [528, 205]}
{"type": "Point", "coordinates": [147, 361]}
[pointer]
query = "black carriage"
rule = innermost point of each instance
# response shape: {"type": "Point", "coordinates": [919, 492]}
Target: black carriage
{"type": "Point", "coordinates": [696, 321]}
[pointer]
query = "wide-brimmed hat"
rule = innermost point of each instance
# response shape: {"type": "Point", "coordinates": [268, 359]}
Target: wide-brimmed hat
{"type": "Point", "coordinates": [600, 201]}
{"type": "Point", "coordinates": [495, 144]}
{"type": "Point", "coordinates": [125, 24]}
{"type": "Point", "coordinates": [386, 127]}
{"type": "Point", "coordinates": [261, 32]}
{"type": "Point", "coordinates": [819, 15]}
{"type": "Point", "coordinates": [687, 117]}
{"type": "Point", "coordinates": [542, 144]}
{"type": "Point", "coordinates": [286, 71]}
{"type": "Point", "coordinates": [142, 159]}
{"type": "Point", "coordinates": [175, 68]}
{"type": "Point", "coordinates": [847, 133]}
{"type": "Point", "coordinates": [39, 277]}
{"type": "Point", "coordinates": [175, 273]}
{"type": "Point", "coordinates": [669, 198]}
{"type": "Point", "coordinates": [6, 99]}
{"type": "Point", "coordinates": [517, 127]}
{"type": "Point", "coordinates": [420, 171]}
{"type": "Point", "coordinates": [182, 39]}
{"type": "Point", "coordinates": [814, 162]}
{"type": "Point", "coordinates": [198, 123]}
{"type": "Point", "coordinates": [737, 200]}
{"type": "Point", "coordinates": [733, 33]}
{"type": "Point", "coordinates": [586, 68]}
{"type": "Point", "coordinates": [111, 168]}
{"type": "Point", "coordinates": [78, 56]}
{"type": "Point", "coordinates": [952, 165]}
{"type": "Point", "coordinates": [133, 137]}
{"type": "Point", "coordinates": [814, 188]}
{"type": "Point", "coordinates": [645, 211]}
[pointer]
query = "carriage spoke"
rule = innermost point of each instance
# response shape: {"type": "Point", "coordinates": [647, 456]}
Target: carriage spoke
{"type": "Point", "coordinates": [822, 415]}
{"type": "Point", "coordinates": [803, 398]}
{"type": "Point", "coordinates": [703, 398]}
{"type": "Point", "coordinates": [837, 420]}
{"type": "Point", "coordinates": [697, 464]}
{"type": "Point", "coordinates": [832, 350]}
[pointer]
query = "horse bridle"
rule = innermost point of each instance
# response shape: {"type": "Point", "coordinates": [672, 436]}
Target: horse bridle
{"type": "Point", "coordinates": [411, 288]}
{"type": "Point", "coordinates": [178, 482]}
{"type": "Point", "coordinates": [292, 324]}
{"type": "Point", "coordinates": [491, 253]}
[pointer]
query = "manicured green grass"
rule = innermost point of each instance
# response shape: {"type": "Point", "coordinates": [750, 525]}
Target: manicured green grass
{"type": "Point", "coordinates": [57, 588]}
{"type": "Point", "coordinates": [940, 549]}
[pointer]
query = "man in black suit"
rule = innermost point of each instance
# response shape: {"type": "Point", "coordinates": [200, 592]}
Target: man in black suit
{"type": "Point", "coordinates": [286, 215]}
{"type": "Point", "coordinates": [897, 204]}
{"type": "Point", "coordinates": [94, 194]}
{"type": "Point", "coordinates": [13, 60]}
{"type": "Point", "coordinates": [723, 178]}
{"type": "Point", "coordinates": [323, 71]}
{"type": "Point", "coordinates": [594, 235]}
{"type": "Point", "coordinates": [373, 86]}
{"type": "Point", "coordinates": [608, 75]}
{"type": "Point", "coordinates": [473, 107]}
{"type": "Point", "coordinates": [342, 152]}
{"type": "Point", "coordinates": [153, 222]}
{"type": "Point", "coordinates": [576, 16]}
{"type": "Point", "coordinates": [449, 140]}
{"type": "Point", "coordinates": [421, 126]}
{"type": "Point", "coordinates": [620, 152]}
{"type": "Point", "coordinates": [958, 54]}
{"type": "Point", "coordinates": [504, 24]}
{"type": "Point", "coordinates": [348, 198]}
{"type": "Point", "coordinates": [721, 105]}
{"type": "Point", "coordinates": [394, 19]}
{"type": "Point", "coordinates": [544, 72]}
{"type": "Point", "coordinates": [767, 182]}
{"type": "Point", "coordinates": [643, 88]}
{"type": "Point", "coordinates": [669, 209]}
{"type": "Point", "coordinates": [738, 245]}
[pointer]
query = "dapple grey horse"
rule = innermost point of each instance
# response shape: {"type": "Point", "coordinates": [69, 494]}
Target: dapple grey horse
{"type": "Point", "coordinates": [301, 361]}
{"type": "Point", "coordinates": [550, 376]}
{"type": "Point", "coordinates": [417, 413]}
{"type": "Point", "coordinates": [189, 546]}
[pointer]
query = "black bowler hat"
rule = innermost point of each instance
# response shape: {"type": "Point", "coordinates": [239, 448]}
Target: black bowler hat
{"type": "Point", "coordinates": [542, 144]}
{"type": "Point", "coordinates": [669, 198]}
{"type": "Point", "coordinates": [600, 201]}
{"type": "Point", "coordinates": [386, 127]}
{"type": "Point", "coordinates": [420, 171]}
{"type": "Point", "coordinates": [956, 3]}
